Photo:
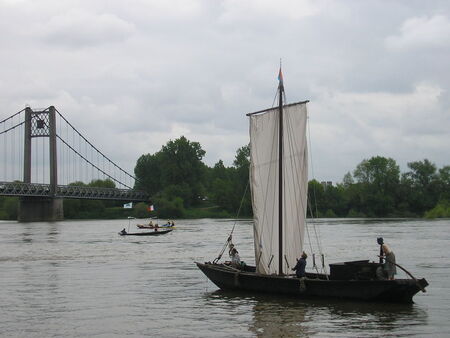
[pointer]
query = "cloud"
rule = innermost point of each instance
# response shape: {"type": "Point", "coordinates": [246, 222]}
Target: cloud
{"type": "Point", "coordinates": [405, 126]}
{"type": "Point", "coordinates": [80, 28]}
{"type": "Point", "coordinates": [421, 32]}
{"type": "Point", "coordinates": [131, 77]}
{"type": "Point", "coordinates": [235, 10]}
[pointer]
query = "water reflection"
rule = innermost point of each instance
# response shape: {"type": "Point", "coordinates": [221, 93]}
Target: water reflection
{"type": "Point", "coordinates": [52, 232]}
{"type": "Point", "coordinates": [27, 233]}
{"type": "Point", "coordinates": [283, 316]}
{"type": "Point", "coordinates": [359, 220]}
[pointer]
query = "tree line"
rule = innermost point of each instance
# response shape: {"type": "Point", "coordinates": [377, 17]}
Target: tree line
{"type": "Point", "coordinates": [180, 182]}
{"type": "Point", "coordinates": [182, 185]}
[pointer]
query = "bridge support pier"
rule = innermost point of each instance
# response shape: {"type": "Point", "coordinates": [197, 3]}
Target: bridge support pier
{"type": "Point", "coordinates": [35, 209]}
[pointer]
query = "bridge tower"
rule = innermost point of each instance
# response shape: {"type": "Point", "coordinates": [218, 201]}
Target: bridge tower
{"type": "Point", "coordinates": [31, 209]}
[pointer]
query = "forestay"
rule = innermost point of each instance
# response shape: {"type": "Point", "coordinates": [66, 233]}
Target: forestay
{"type": "Point", "coordinates": [264, 128]}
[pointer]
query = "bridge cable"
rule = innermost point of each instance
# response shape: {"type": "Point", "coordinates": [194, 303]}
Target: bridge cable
{"type": "Point", "coordinates": [92, 164]}
{"type": "Point", "coordinates": [12, 116]}
{"type": "Point", "coordinates": [115, 165]}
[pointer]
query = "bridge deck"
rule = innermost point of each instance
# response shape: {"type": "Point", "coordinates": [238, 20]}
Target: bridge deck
{"type": "Point", "coordinates": [69, 191]}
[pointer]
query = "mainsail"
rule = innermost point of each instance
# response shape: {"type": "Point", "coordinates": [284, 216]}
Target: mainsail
{"type": "Point", "coordinates": [264, 157]}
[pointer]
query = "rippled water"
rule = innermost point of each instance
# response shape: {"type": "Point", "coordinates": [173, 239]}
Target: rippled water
{"type": "Point", "coordinates": [79, 278]}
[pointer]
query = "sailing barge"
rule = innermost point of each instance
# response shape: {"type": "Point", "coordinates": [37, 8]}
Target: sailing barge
{"type": "Point", "coordinates": [279, 181]}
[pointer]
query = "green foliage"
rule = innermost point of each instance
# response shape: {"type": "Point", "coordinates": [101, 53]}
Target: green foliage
{"type": "Point", "coordinates": [377, 189]}
{"type": "Point", "coordinates": [211, 212]}
{"type": "Point", "coordinates": [170, 209]}
{"type": "Point", "coordinates": [93, 209]}
{"type": "Point", "coordinates": [181, 185]}
{"type": "Point", "coordinates": [355, 214]}
{"type": "Point", "coordinates": [441, 210]}
{"type": "Point", "coordinates": [107, 183]}
{"type": "Point", "coordinates": [140, 210]}
{"type": "Point", "coordinates": [421, 186]}
{"type": "Point", "coordinates": [176, 170]}
{"type": "Point", "coordinates": [10, 208]}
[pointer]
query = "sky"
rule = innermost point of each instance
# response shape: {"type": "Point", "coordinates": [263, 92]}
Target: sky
{"type": "Point", "coordinates": [132, 75]}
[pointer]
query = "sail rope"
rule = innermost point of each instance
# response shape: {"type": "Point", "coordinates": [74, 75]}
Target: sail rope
{"type": "Point", "coordinates": [230, 237]}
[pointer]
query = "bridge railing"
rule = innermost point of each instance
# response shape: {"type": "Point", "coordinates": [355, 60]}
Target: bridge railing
{"type": "Point", "coordinates": [69, 191]}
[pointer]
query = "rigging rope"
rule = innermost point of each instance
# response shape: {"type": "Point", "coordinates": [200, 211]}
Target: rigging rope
{"type": "Point", "coordinates": [234, 225]}
{"type": "Point", "coordinates": [319, 244]}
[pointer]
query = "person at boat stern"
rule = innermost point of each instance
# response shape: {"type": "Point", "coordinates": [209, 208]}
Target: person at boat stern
{"type": "Point", "coordinates": [299, 268]}
{"type": "Point", "coordinates": [389, 259]}
{"type": "Point", "coordinates": [235, 259]}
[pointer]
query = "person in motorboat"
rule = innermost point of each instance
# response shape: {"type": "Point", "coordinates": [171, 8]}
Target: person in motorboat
{"type": "Point", "coordinates": [299, 268]}
{"type": "Point", "coordinates": [386, 253]}
{"type": "Point", "coordinates": [123, 232]}
{"type": "Point", "coordinates": [150, 223]}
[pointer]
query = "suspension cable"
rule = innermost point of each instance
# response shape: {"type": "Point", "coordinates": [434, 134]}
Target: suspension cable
{"type": "Point", "coordinates": [115, 165]}
{"type": "Point", "coordinates": [12, 128]}
{"type": "Point", "coordinates": [92, 164]}
{"type": "Point", "coordinates": [12, 116]}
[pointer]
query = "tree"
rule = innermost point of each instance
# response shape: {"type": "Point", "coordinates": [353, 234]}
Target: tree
{"type": "Point", "coordinates": [422, 186]}
{"type": "Point", "coordinates": [241, 181]}
{"type": "Point", "coordinates": [148, 173]}
{"type": "Point", "coordinates": [107, 183]}
{"type": "Point", "coordinates": [381, 172]}
{"type": "Point", "coordinates": [181, 164]}
{"type": "Point", "coordinates": [444, 178]}
{"type": "Point", "coordinates": [176, 170]}
{"type": "Point", "coordinates": [379, 179]}
{"type": "Point", "coordinates": [348, 180]}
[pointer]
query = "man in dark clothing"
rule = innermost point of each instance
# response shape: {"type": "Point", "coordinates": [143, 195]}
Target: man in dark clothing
{"type": "Point", "coordinates": [299, 268]}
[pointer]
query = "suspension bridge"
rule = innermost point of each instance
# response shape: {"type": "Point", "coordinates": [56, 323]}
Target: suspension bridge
{"type": "Point", "coordinates": [46, 159]}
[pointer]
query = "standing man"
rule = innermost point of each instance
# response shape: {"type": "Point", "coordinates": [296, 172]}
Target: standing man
{"type": "Point", "coordinates": [299, 268]}
{"type": "Point", "coordinates": [389, 265]}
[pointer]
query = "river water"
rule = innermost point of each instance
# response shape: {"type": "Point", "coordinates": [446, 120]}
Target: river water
{"type": "Point", "coordinates": [79, 278]}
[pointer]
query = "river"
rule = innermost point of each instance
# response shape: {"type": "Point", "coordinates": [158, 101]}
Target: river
{"type": "Point", "coordinates": [79, 278]}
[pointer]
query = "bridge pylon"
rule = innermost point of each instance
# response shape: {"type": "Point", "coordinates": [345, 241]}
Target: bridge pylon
{"type": "Point", "coordinates": [50, 208]}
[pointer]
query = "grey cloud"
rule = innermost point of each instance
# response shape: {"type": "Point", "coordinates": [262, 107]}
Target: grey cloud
{"type": "Point", "coordinates": [79, 28]}
{"type": "Point", "coordinates": [131, 77]}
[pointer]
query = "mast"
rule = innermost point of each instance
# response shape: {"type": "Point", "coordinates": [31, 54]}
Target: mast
{"type": "Point", "coordinates": [280, 174]}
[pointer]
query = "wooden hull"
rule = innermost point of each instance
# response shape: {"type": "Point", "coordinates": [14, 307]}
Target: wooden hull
{"type": "Point", "coordinates": [398, 291]}
{"type": "Point", "coordinates": [152, 233]}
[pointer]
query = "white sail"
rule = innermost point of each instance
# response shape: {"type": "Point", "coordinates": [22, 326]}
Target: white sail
{"type": "Point", "coordinates": [264, 184]}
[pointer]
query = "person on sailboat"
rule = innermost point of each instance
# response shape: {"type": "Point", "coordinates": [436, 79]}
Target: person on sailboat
{"type": "Point", "coordinates": [389, 265]}
{"type": "Point", "coordinates": [299, 268]}
{"type": "Point", "coordinates": [235, 259]}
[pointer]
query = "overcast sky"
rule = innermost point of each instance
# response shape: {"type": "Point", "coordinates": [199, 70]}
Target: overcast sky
{"type": "Point", "coordinates": [131, 75]}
